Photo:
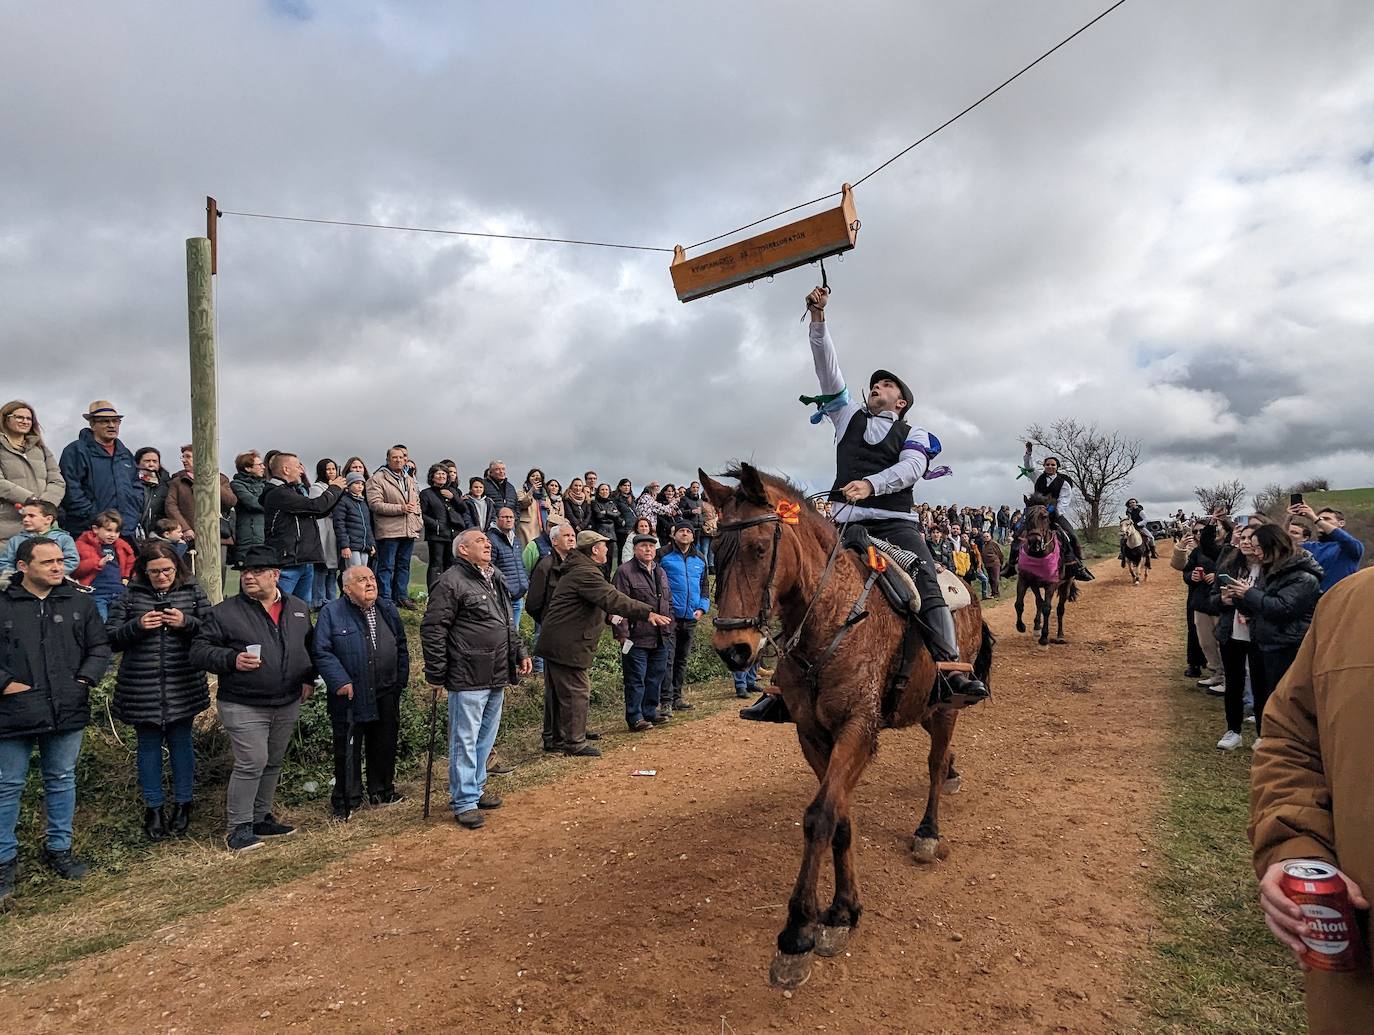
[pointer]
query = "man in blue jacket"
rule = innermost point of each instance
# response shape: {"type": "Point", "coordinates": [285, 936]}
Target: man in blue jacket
{"type": "Point", "coordinates": [100, 473]}
{"type": "Point", "coordinates": [686, 571]}
{"type": "Point", "coordinates": [507, 557]}
{"type": "Point", "coordinates": [1335, 549]}
{"type": "Point", "coordinates": [360, 652]}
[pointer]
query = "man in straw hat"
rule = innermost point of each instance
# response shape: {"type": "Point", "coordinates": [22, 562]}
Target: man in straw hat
{"type": "Point", "coordinates": [100, 472]}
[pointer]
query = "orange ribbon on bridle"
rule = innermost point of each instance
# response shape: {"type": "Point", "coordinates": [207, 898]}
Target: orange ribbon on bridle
{"type": "Point", "coordinates": [789, 512]}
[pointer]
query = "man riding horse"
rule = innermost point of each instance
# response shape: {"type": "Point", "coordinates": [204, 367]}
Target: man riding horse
{"type": "Point", "coordinates": [1136, 513]}
{"type": "Point", "coordinates": [1054, 487]}
{"type": "Point", "coordinates": [880, 457]}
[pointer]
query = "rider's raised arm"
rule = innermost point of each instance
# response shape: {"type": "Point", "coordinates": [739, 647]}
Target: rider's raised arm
{"type": "Point", "coordinates": [828, 376]}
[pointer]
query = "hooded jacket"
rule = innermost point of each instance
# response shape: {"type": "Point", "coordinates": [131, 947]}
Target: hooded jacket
{"type": "Point", "coordinates": [56, 645]}
{"type": "Point", "coordinates": [26, 472]}
{"type": "Point", "coordinates": [249, 527]}
{"type": "Point", "coordinates": [157, 684]}
{"type": "Point", "coordinates": [353, 524]}
{"type": "Point", "coordinates": [97, 480]}
{"type": "Point", "coordinates": [687, 576]}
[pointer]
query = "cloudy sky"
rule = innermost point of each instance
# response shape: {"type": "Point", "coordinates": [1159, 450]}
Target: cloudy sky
{"type": "Point", "coordinates": [1167, 228]}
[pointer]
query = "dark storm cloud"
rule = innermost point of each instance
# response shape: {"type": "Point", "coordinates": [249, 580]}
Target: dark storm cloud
{"type": "Point", "coordinates": [1165, 228]}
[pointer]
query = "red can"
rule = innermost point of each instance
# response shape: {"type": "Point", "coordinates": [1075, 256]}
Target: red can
{"type": "Point", "coordinates": [1333, 932]}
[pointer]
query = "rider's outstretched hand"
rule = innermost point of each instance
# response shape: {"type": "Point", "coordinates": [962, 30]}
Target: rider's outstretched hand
{"type": "Point", "coordinates": [815, 303]}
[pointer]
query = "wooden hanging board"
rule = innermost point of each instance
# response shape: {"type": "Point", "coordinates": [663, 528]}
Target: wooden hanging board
{"type": "Point", "coordinates": [796, 244]}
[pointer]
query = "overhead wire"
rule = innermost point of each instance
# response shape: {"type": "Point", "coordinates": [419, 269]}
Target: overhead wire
{"type": "Point", "coordinates": [709, 240]}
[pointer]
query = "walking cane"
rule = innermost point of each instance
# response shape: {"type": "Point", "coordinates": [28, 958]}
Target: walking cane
{"type": "Point", "coordinates": [429, 763]}
{"type": "Point", "coordinates": [348, 760]}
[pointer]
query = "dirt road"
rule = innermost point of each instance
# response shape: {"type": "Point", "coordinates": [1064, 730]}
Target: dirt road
{"type": "Point", "coordinates": [607, 902]}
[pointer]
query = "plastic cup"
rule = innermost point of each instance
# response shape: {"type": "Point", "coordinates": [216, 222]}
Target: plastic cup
{"type": "Point", "coordinates": [254, 650]}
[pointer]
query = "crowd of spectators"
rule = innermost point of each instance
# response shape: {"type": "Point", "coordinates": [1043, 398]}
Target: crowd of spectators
{"type": "Point", "coordinates": [1253, 585]}
{"type": "Point", "coordinates": [101, 554]}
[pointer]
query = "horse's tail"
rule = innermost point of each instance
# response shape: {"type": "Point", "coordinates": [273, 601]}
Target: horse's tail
{"type": "Point", "coordinates": [1073, 591]}
{"type": "Point", "coordinates": [982, 664]}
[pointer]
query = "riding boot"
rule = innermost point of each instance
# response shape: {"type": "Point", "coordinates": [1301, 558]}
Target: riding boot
{"type": "Point", "coordinates": [1078, 569]}
{"type": "Point", "coordinates": [959, 689]}
{"type": "Point", "coordinates": [768, 708]}
{"type": "Point", "coordinates": [1009, 569]}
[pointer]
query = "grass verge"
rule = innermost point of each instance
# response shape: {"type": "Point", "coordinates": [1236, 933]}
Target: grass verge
{"type": "Point", "coordinates": [1215, 969]}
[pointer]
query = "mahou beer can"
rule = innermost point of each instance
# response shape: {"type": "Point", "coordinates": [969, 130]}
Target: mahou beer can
{"type": "Point", "coordinates": [1333, 933]}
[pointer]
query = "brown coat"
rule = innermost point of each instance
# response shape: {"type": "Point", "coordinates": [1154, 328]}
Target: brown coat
{"type": "Point", "coordinates": [1311, 796]}
{"type": "Point", "coordinates": [387, 500]}
{"type": "Point", "coordinates": [577, 611]}
{"type": "Point", "coordinates": [181, 499]}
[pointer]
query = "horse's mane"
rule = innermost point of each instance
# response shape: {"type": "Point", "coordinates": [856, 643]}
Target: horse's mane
{"type": "Point", "coordinates": [1035, 499]}
{"type": "Point", "coordinates": [810, 516]}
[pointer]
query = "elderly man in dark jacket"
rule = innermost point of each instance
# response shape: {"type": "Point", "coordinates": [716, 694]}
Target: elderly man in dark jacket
{"type": "Point", "coordinates": [570, 629]}
{"type": "Point", "coordinates": [472, 652]}
{"type": "Point", "coordinates": [258, 643]}
{"type": "Point", "coordinates": [99, 473]}
{"type": "Point", "coordinates": [54, 649]}
{"type": "Point", "coordinates": [360, 652]}
{"type": "Point", "coordinates": [159, 692]}
{"type": "Point", "coordinates": [644, 648]}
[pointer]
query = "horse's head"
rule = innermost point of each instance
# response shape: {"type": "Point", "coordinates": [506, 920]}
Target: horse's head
{"type": "Point", "coordinates": [757, 558]}
{"type": "Point", "coordinates": [1037, 527]}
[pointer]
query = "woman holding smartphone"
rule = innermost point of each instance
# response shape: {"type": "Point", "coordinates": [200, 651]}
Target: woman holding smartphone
{"type": "Point", "coordinates": [1237, 569]}
{"type": "Point", "coordinates": [1277, 607]}
{"type": "Point", "coordinates": [158, 691]}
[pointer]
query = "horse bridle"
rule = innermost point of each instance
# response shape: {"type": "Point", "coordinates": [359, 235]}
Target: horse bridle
{"type": "Point", "coordinates": [760, 621]}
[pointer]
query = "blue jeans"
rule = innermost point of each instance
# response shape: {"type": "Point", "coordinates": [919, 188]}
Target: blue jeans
{"type": "Point", "coordinates": [58, 753]}
{"type": "Point", "coordinates": [473, 718]}
{"type": "Point", "coordinates": [517, 609]}
{"type": "Point", "coordinates": [183, 758]}
{"type": "Point", "coordinates": [703, 545]}
{"type": "Point", "coordinates": [747, 680]}
{"type": "Point", "coordinates": [324, 587]}
{"type": "Point", "coordinates": [393, 568]}
{"type": "Point", "coordinates": [538, 662]}
{"type": "Point", "coordinates": [298, 579]}
{"type": "Point", "coordinates": [643, 670]}
{"type": "Point", "coordinates": [984, 587]}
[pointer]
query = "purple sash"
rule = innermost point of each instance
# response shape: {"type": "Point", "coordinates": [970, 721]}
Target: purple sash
{"type": "Point", "coordinates": [1040, 569]}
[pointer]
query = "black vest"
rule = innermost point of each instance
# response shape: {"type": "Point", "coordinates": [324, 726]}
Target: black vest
{"type": "Point", "coordinates": [855, 459]}
{"type": "Point", "coordinates": [1051, 489]}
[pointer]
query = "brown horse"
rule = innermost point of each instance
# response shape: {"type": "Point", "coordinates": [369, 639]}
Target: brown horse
{"type": "Point", "coordinates": [1041, 543]}
{"type": "Point", "coordinates": [839, 651]}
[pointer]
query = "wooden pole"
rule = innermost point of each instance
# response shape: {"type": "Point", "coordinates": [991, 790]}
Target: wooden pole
{"type": "Point", "coordinates": [200, 309]}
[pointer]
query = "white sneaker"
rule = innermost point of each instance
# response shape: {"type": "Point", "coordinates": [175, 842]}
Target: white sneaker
{"type": "Point", "coordinates": [1229, 742]}
{"type": "Point", "coordinates": [1257, 743]}
{"type": "Point", "coordinates": [1250, 718]}
{"type": "Point", "coordinates": [1207, 681]}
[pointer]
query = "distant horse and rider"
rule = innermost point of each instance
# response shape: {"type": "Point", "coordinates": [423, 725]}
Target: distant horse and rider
{"type": "Point", "coordinates": [1044, 566]}
{"type": "Point", "coordinates": [852, 660]}
{"type": "Point", "coordinates": [1135, 551]}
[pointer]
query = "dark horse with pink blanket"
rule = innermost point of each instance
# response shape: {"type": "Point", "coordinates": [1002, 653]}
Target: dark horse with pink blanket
{"type": "Point", "coordinates": [1043, 568]}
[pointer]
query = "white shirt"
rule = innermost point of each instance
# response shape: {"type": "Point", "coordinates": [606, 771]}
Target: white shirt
{"type": "Point", "coordinates": [911, 463]}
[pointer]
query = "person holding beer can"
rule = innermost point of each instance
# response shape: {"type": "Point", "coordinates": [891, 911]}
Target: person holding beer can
{"type": "Point", "coordinates": [1311, 797]}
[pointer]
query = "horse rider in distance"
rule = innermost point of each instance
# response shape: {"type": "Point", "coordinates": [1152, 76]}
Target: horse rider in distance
{"type": "Point", "coordinates": [880, 458]}
{"type": "Point", "coordinates": [1056, 487]}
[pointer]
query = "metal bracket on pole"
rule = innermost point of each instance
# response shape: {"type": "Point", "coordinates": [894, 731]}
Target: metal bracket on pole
{"type": "Point", "coordinates": [212, 215]}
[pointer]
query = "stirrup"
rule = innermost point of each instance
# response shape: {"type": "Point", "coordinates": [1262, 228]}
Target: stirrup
{"type": "Point", "coordinates": [768, 708]}
{"type": "Point", "coordinates": [956, 686]}
{"type": "Point", "coordinates": [1081, 572]}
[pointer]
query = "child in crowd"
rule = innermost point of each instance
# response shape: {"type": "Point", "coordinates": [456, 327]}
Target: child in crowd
{"type": "Point", "coordinates": [168, 530]}
{"type": "Point", "coordinates": [106, 560]}
{"type": "Point", "coordinates": [353, 524]}
{"type": "Point", "coordinates": [38, 517]}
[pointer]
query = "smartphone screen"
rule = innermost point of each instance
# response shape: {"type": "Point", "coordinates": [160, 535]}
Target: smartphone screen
{"type": "Point", "coordinates": [1223, 580]}
{"type": "Point", "coordinates": [1295, 499]}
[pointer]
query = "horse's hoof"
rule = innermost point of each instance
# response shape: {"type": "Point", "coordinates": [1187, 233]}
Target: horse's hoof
{"type": "Point", "coordinates": [790, 971]}
{"type": "Point", "coordinates": [1020, 627]}
{"type": "Point", "coordinates": [952, 785]}
{"type": "Point", "coordinates": [1059, 640]}
{"type": "Point", "coordinates": [831, 941]}
{"type": "Point", "coordinates": [926, 850]}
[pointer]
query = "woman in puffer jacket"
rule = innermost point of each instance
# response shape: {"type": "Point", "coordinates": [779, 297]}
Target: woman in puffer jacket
{"type": "Point", "coordinates": [158, 691]}
{"type": "Point", "coordinates": [1278, 607]}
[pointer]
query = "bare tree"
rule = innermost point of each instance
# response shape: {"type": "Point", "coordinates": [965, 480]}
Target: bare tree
{"type": "Point", "coordinates": [1269, 499]}
{"type": "Point", "coordinates": [1223, 494]}
{"type": "Point", "coordinates": [1098, 462]}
